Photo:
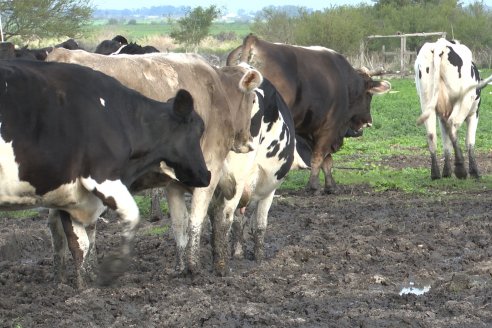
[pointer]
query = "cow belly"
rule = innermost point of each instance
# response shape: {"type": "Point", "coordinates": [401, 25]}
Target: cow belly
{"type": "Point", "coordinates": [73, 198]}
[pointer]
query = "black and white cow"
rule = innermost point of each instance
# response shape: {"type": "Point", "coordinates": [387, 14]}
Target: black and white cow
{"type": "Point", "coordinates": [76, 140]}
{"type": "Point", "coordinates": [135, 49]}
{"type": "Point", "coordinates": [257, 173]}
{"type": "Point", "coordinates": [107, 47]}
{"type": "Point", "coordinates": [448, 84]}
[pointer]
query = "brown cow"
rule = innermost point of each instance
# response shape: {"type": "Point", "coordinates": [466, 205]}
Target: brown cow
{"type": "Point", "coordinates": [223, 98]}
{"type": "Point", "coordinates": [326, 95]}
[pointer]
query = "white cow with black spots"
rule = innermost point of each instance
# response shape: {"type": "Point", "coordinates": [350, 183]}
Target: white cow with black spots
{"type": "Point", "coordinates": [258, 174]}
{"type": "Point", "coordinates": [448, 84]}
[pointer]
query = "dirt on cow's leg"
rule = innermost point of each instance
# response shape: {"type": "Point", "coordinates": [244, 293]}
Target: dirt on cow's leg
{"type": "Point", "coordinates": [259, 242]}
{"type": "Point", "coordinates": [459, 162]}
{"type": "Point", "coordinates": [472, 163]}
{"type": "Point", "coordinates": [313, 185]}
{"type": "Point", "coordinates": [327, 167]}
{"type": "Point", "coordinates": [78, 244]}
{"type": "Point", "coordinates": [435, 171]}
{"type": "Point", "coordinates": [59, 243]}
{"type": "Point", "coordinates": [220, 237]}
{"type": "Point", "coordinates": [447, 170]}
{"type": "Point", "coordinates": [90, 264]}
{"type": "Point", "coordinates": [237, 234]}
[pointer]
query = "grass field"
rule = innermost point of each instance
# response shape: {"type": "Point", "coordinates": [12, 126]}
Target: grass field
{"type": "Point", "coordinates": [394, 132]}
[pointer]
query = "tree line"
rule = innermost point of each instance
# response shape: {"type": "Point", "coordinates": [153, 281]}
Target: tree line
{"type": "Point", "coordinates": [337, 27]}
{"type": "Point", "coordinates": [343, 27]}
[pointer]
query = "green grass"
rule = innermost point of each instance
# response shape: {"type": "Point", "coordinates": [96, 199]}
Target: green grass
{"type": "Point", "coordinates": [157, 231]}
{"type": "Point", "coordinates": [19, 214]}
{"type": "Point", "coordinates": [394, 132]}
{"type": "Point", "coordinates": [143, 203]}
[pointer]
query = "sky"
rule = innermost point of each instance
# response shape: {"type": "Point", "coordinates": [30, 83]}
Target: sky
{"type": "Point", "coordinates": [230, 5]}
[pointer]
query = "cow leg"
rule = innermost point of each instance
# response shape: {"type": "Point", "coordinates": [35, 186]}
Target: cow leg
{"type": "Point", "coordinates": [316, 161]}
{"type": "Point", "coordinates": [179, 220]}
{"type": "Point", "coordinates": [59, 243]}
{"type": "Point", "coordinates": [327, 167]}
{"type": "Point", "coordinates": [222, 217]}
{"type": "Point", "coordinates": [459, 160]}
{"type": "Point", "coordinates": [260, 224]}
{"type": "Point", "coordinates": [472, 123]}
{"type": "Point", "coordinates": [78, 244]}
{"type": "Point", "coordinates": [116, 195]}
{"type": "Point", "coordinates": [219, 218]}
{"type": "Point", "coordinates": [430, 126]}
{"type": "Point", "coordinates": [199, 205]}
{"type": "Point", "coordinates": [448, 149]}
{"type": "Point", "coordinates": [237, 233]}
{"type": "Point", "coordinates": [90, 263]}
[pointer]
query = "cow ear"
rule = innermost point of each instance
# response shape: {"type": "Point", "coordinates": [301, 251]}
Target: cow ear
{"type": "Point", "coordinates": [251, 80]}
{"type": "Point", "coordinates": [379, 87]}
{"type": "Point", "coordinates": [183, 103]}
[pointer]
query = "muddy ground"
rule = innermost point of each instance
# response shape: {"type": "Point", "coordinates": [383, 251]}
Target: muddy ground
{"type": "Point", "coordinates": [331, 261]}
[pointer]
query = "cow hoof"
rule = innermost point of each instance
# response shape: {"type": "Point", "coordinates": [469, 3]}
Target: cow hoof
{"type": "Point", "coordinates": [313, 189]}
{"type": "Point", "coordinates": [475, 175]}
{"type": "Point", "coordinates": [460, 172]}
{"type": "Point", "coordinates": [220, 272]}
{"type": "Point", "coordinates": [330, 190]}
{"type": "Point", "coordinates": [446, 172]}
{"type": "Point", "coordinates": [111, 269]}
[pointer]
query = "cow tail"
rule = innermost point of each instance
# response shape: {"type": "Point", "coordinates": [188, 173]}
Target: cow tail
{"type": "Point", "coordinates": [302, 154]}
{"type": "Point", "coordinates": [484, 83]}
{"type": "Point", "coordinates": [431, 106]}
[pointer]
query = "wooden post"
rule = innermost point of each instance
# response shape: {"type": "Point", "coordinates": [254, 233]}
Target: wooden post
{"type": "Point", "coordinates": [403, 44]}
{"type": "Point", "coordinates": [403, 50]}
{"type": "Point", "coordinates": [361, 53]}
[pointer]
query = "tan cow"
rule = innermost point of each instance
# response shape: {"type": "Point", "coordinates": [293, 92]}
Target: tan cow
{"type": "Point", "coordinates": [223, 99]}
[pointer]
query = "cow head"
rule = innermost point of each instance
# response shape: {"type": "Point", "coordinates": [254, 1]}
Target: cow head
{"type": "Point", "coordinates": [361, 98]}
{"type": "Point", "coordinates": [240, 81]}
{"type": "Point", "coordinates": [187, 129]}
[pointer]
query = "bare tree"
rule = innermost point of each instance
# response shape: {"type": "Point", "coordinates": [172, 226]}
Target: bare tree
{"type": "Point", "coordinates": [35, 19]}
